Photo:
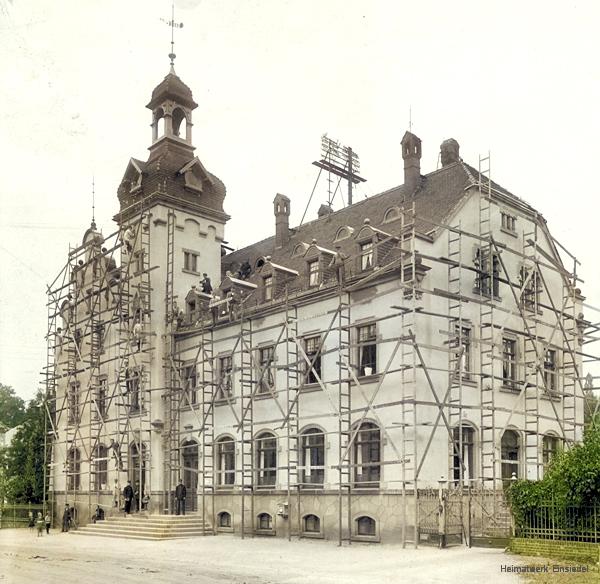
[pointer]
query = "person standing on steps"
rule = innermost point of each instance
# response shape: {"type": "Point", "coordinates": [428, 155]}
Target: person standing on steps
{"type": "Point", "coordinates": [66, 521]}
{"type": "Point", "coordinates": [128, 496]}
{"type": "Point", "coordinates": [180, 493]}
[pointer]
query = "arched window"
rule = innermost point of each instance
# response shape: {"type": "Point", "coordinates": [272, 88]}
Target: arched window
{"type": "Point", "coordinates": [265, 521]}
{"type": "Point", "coordinates": [74, 470]}
{"type": "Point", "coordinates": [178, 116]}
{"type": "Point", "coordinates": [266, 459]}
{"type": "Point", "coordinates": [550, 448]}
{"type": "Point", "coordinates": [224, 519]}
{"type": "Point", "coordinates": [311, 524]}
{"type": "Point", "coordinates": [100, 468]}
{"type": "Point", "coordinates": [225, 461]}
{"type": "Point", "coordinates": [464, 440]}
{"type": "Point", "coordinates": [391, 214]}
{"type": "Point", "coordinates": [367, 455]}
{"type": "Point", "coordinates": [366, 526]}
{"type": "Point", "coordinates": [510, 454]}
{"type": "Point", "coordinates": [159, 124]}
{"type": "Point", "coordinates": [312, 457]}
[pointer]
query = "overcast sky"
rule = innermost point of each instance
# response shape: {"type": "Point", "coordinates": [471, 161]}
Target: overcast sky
{"type": "Point", "coordinates": [519, 79]}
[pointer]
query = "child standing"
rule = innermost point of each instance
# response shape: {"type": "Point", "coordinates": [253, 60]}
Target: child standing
{"type": "Point", "coordinates": [40, 524]}
{"type": "Point", "coordinates": [48, 521]}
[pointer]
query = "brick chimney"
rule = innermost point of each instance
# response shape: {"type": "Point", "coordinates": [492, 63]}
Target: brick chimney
{"type": "Point", "coordinates": [449, 152]}
{"type": "Point", "coordinates": [281, 207]}
{"type": "Point", "coordinates": [411, 153]}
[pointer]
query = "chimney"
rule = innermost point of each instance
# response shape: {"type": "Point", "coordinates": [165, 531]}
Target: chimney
{"type": "Point", "coordinates": [324, 210]}
{"type": "Point", "coordinates": [281, 207]}
{"type": "Point", "coordinates": [449, 152]}
{"type": "Point", "coordinates": [411, 153]}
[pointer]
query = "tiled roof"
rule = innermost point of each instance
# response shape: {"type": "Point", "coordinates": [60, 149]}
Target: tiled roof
{"type": "Point", "coordinates": [172, 87]}
{"type": "Point", "coordinates": [439, 194]}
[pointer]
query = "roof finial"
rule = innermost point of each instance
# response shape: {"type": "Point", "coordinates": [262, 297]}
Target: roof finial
{"type": "Point", "coordinates": [93, 203]}
{"type": "Point", "coordinates": [173, 26]}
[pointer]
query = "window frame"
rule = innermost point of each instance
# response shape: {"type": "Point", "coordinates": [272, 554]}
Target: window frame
{"type": "Point", "coordinates": [507, 463]}
{"type": "Point", "coordinates": [225, 453]}
{"type": "Point", "coordinates": [313, 373]}
{"type": "Point", "coordinates": [508, 222]}
{"type": "Point", "coordinates": [73, 403]}
{"type": "Point", "coordinates": [369, 345]}
{"type": "Point", "coordinates": [268, 287]}
{"type": "Point", "coordinates": [190, 380]}
{"type": "Point", "coordinates": [366, 249]}
{"type": "Point", "coordinates": [73, 469]}
{"type": "Point", "coordinates": [190, 261]}
{"type": "Point", "coordinates": [464, 338]}
{"type": "Point", "coordinates": [487, 276]}
{"type": "Point", "coordinates": [266, 460]}
{"type": "Point", "coordinates": [510, 363]}
{"type": "Point", "coordinates": [314, 275]}
{"type": "Point", "coordinates": [549, 452]}
{"type": "Point", "coordinates": [551, 370]}
{"type": "Point", "coordinates": [315, 450]}
{"type": "Point", "coordinates": [267, 381]}
{"type": "Point", "coordinates": [317, 530]}
{"type": "Point", "coordinates": [366, 444]}
{"type": "Point", "coordinates": [466, 445]}
{"type": "Point", "coordinates": [225, 380]}
{"type": "Point", "coordinates": [264, 528]}
{"type": "Point", "coordinates": [100, 468]}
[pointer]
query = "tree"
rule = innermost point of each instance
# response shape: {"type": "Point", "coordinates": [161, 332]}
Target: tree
{"type": "Point", "coordinates": [25, 457]}
{"type": "Point", "coordinates": [12, 407]}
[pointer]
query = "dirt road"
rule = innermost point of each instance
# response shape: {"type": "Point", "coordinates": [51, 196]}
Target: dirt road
{"type": "Point", "coordinates": [66, 558]}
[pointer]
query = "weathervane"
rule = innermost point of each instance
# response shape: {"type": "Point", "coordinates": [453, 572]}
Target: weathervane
{"type": "Point", "coordinates": [173, 26]}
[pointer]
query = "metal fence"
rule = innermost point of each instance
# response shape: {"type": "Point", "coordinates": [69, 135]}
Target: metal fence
{"type": "Point", "coordinates": [18, 515]}
{"type": "Point", "coordinates": [561, 523]}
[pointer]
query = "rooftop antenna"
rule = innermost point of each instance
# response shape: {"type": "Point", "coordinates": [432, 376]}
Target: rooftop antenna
{"type": "Point", "coordinates": [173, 26]}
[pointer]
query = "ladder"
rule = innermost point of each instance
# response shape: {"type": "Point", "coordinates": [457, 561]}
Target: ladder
{"type": "Point", "coordinates": [208, 423]}
{"type": "Point", "coordinates": [344, 417]}
{"type": "Point", "coordinates": [247, 425]}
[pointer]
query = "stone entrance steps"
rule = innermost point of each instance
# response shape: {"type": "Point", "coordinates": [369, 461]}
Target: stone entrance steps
{"type": "Point", "coordinates": [149, 527]}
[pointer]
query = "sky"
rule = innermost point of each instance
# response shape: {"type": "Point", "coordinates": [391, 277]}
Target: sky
{"type": "Point", "coordinates": [517, 79]}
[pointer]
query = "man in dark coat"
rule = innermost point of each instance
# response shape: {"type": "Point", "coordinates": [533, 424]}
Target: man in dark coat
{"type": "Point", "coordinates": [180, 493]}
{"type": "Point", "coordinates": [128, 496]}
{"type": "Point", "coordinates": [66, 521]}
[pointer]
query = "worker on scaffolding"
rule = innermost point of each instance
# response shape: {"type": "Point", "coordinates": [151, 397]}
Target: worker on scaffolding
{"type": "Point", "coordinates": [205, 284]}
{"type": "Point", "coordinates": [58, 345]}
{"type": "Point", "coordinates": [136, 333]}
{"type": "Point", "coordinates": [116, 452]}
{"type": "Point", "coordinates": [129, 239]}
{"type": "Point", "coordinates": [214, 306]}
{"type": "Point", "coordinates": [338, 262]}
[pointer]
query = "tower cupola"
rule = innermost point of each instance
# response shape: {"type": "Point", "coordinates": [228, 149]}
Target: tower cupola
{"type": "Point", "coordinates": [172, 104]}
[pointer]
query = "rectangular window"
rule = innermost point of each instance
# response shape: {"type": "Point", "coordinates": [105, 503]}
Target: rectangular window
{"type": "Point", "coordinates": [531, 288]}
{"type": "Point", "coordinates": [509, 222]}
{"type": "Point", "coordinates": [366, 255]}
{"type": "Point", "coordinates": [138, 261]}
{"type": "Point", "coordinates": [190, 380]}
{"type": "Point", "coordinates": [225, 375]}
{"type": "Point", "coordinates": [313, 273]}
{"type": "Point", "coordinates": [550, 447]}
{"type": "Point", "coordinates": [463, 341]}
{"type": "Point", "coordinates": [311, 347]}
{"type": "Point", "coordinates": [268, 284]}
{"type": "Point", "coordinates": [509, 362]}
{"type": "Point", "coordinates": [487, 280]}
{"type": "Point", "coordinates": [367, 349]}
{"type": "Point", "coordinates": [266, 369]}
{"type": "Point", "coordinates": [190, 261]}
{"type": "Point", "coordinates": [132, 384]}
{"type": "Point", "coordinates": [73, 403]}
{"type": "Point", "coordinates": [550, 370]}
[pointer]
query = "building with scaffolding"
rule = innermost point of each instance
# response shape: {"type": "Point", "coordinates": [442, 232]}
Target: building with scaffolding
{"type": "Point", "coordinates": [341, 380]}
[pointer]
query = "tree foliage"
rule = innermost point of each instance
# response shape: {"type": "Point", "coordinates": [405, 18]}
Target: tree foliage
{"type": "Point", "coordinates": [24, 459]}
{"type": "Point", "coordinates": [12, 407]}
{"type": "Point", "coordinates": [571, 480]}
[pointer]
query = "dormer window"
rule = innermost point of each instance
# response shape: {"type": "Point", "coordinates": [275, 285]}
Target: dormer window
{"type": "Point", "coordinates": [366, 255]}
{"type": "Point", "coordinates": [268, 287]}
{"type": "Point", "coordinates": [392, 214]}
{"type": "Point", "coordinates": [313, 273]}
